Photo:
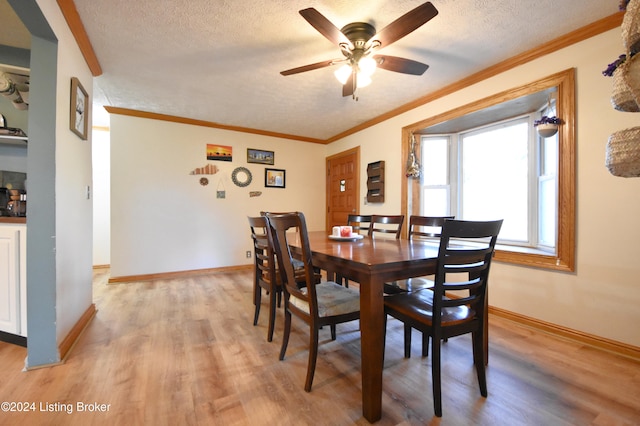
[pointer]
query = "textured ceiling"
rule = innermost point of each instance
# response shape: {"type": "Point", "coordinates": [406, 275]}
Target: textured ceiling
{"type": "Point", "coordinates": [220, 61]}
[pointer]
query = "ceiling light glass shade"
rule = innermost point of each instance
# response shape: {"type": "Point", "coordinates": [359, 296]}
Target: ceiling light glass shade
{"type": "Point", "coordinates": [367, 65]}
{"type": "Point", "coordinates": [363, 80]}
{"type": "Point", "coordinates": [343, 73]}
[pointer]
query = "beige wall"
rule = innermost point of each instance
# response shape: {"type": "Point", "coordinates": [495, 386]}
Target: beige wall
{"type": "Point", "coordinates": [608, 207]}
{"type": "Point", "coordinates": [163, 220]}
{"type": "Point", "coordinates": [101, 152]}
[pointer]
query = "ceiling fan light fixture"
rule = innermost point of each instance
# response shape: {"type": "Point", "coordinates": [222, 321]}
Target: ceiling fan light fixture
{"type": "Point", "coordinates": [367, 66]}
{"type": "Point", "coordinates": [343, 73]}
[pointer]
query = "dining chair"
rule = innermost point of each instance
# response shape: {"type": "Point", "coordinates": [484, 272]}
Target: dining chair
{"type": "Point", "coordinates": [462, 272]}
{"type": "Point", "coordinates": [359, 223]}
{"type": "Point", "coordinates": [326, 303]}
{"type": "Point", "coordinates": [386, 225]}
{"type": "Point", "coordinates": [426, 228]}
{"type": "Point", "coordinates": [266, 274]}
{"type": "Point", "coordinates": [297, 264]}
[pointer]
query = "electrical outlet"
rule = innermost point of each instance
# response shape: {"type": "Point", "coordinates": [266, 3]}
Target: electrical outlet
{"type": "Point", "coordinates": [248, 254]}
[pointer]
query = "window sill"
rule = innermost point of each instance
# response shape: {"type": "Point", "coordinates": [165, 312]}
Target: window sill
{"type": "Point", "coordinates": [525, 250]}
{"type": "Point", "coordinates": [528, 256]}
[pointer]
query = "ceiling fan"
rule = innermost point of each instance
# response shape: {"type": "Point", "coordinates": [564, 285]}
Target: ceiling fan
{"type": "Point", "coordinates": [359, 40]}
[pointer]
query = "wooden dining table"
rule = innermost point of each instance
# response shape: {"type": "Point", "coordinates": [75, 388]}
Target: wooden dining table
{"type": "Point", "coordinates": [371, 262]}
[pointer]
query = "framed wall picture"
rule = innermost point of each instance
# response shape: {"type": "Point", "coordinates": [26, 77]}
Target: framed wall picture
{"type": "Point", "coordinates": [79, 109]}
{"type": "Point", "coordinates": [274, 178]}
{"type": "Point", "coordinates": [219, 152]}
{"type": "Point", "coordinates": [260, 156]}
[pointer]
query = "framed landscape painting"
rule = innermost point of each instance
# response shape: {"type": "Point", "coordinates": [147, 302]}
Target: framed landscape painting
{"type": "Point", "coordinates": [219, 152]}
{"type": "Point", "coordinates": [260, 156]}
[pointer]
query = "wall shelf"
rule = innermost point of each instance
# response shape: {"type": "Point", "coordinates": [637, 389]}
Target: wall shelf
{"type": "Point", "coordinates": [375, 182]}
{"type": "Point", "coordinates": [13, 140]}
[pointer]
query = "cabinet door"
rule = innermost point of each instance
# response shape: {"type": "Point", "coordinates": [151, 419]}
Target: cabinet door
{"type": "Point", "coordinates": [9, 281]}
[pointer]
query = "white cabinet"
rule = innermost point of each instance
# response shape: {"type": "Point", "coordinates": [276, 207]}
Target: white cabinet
{"type": "Point", "coordinates": [13, 279]}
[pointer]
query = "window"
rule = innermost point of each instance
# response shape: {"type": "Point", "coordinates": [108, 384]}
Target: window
{"type": "Point", "coordinates": [490, 147]}
{"type": "Point", "coordinates": [547, 181]}
{"type": "Point", "coordinates": [494, 172]}
{"type": "Point", "coordinates": [436, 189]}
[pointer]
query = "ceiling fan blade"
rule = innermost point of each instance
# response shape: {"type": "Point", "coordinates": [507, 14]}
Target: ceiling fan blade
{"type": "Point", "coordinates": [402, 65]}
{"type": "Point", "coordinates": [349, 88]}
{"type": "Point", "coordinates": [324, 26]}
{"type": "Point", "coordinates": [310, 67]}
{"type": "Point", "coordinates": [405, 24]}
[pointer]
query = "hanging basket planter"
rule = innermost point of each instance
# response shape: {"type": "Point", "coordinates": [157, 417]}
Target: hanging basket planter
{"type": "Point", "coordinates": [631, 77]}
{"type": "Point", "coordinates": [622, 98]}
{"type": "Point", "coordinates": [547, 130]}
{"type": "Point", "coordinates": [631, 26]}
{"type": "Point", "coordinates": [623, 153]}
{"type": "Point", "coordinates": [547, 126]}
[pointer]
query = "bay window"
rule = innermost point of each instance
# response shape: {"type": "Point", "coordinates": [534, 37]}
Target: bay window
{"type": "Point", "coordinates": [485, 161]}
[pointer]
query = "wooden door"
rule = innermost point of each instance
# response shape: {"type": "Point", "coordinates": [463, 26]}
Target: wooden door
{"type": "Point", "coordinates": [343, 187]}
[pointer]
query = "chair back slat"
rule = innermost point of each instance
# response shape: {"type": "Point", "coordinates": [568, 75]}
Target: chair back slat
{"type": "Point", "coordinates": [463, 266]}
{"type": "Point", "coordinates": [463, 285]}
{"type": "Point", "coordinates": [386, 225]}
{"type": "Point", "coordinates": [468, 301]}
{"type": "Point", "coordinates": [359, 223]}
{"type": "Point", "coordinates": [426, 227]}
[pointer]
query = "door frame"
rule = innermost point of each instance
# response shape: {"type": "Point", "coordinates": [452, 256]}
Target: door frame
{"type": "Point", "coordinates": [356, 151]}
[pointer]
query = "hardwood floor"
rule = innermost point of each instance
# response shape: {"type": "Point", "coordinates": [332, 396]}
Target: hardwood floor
{"type": "Point", "coordinates": [184, 352]}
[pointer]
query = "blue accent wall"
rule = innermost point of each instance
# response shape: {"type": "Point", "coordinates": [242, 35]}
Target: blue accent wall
{"type": "Point", "coordinates": [42, 347]}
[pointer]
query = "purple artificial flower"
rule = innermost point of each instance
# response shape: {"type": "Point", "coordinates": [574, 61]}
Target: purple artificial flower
{"type": "Point", "coordinates": [548, 120]}
{"type": "Point", "coordinates": [614, 65]}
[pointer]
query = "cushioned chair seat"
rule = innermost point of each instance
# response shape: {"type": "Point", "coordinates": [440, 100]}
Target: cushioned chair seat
{"type": "Point", "coordinates": [333, 299]}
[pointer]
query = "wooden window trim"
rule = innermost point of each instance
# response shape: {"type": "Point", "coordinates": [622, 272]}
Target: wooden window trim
{"type": "Point", "coordinates": [564, 259]}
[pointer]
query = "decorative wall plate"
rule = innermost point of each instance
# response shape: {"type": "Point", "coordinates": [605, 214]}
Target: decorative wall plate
{"type": "Point", "coordinates": [204, 181]}
{"type": "Point", "coordinates": [241, 176]}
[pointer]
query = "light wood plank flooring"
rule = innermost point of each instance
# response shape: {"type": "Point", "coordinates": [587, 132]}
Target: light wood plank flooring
{"type": "Point", "coordinates": [185, 352]}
